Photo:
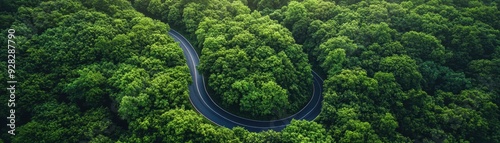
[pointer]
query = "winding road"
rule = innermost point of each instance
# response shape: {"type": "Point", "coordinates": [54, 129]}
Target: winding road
{"type": "Point", "coordinates": [203, 103]}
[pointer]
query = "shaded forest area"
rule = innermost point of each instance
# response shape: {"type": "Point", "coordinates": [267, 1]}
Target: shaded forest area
{"type": "Point", "coordinates": [395, 70]}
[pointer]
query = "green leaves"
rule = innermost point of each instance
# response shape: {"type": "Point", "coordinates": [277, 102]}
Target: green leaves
{"type": "Point", "coordinates": [354, 81]}
{"type": "Point", "coordinates": [241, 55]}
{"type": "Point", "coordinates": [357, 131]}
{"type": "Point", "coordinates": [331, 44]}
{"type": "Point", "coordinates": [65, 122]}
{"type": "Point", "coordinates": [169, 53]}
{"type": "Point", "coordinates": [91, 81]}
{"type": "Point", "coordinates": [295, 12]}
{"type": "Point", "coordinates": [271, 99]}
{"type": "Point", "coordinates": [419, 71]}
{"type": "Point", "coordinates": [477, 42]}
{"type": "Point", "coordinates": [155, 90]}
{"type": "Point", "coordinates": [424, 47]}
{"type": "Point", "coordinates": [376, 33]}
{"type": "Point", "coordinates": [178, 125]}
{"type": "Point", "coordinates": [305, 131]}
{"type": "Point", "coordinates": [169, 89]}
{"type": "Point", "coordinates": [437, 77]}
{"type": "Point", "coordinates": [404, 69]}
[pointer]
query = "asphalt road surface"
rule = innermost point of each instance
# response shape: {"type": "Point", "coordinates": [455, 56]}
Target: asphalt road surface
{"type": "Point", "coordinates": [202, 102]}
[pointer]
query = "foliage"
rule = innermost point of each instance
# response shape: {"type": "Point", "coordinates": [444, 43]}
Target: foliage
{"type": "Point", "coordinates": [394, 70]}
{"type": "Point", "coordinates": [254, 65]}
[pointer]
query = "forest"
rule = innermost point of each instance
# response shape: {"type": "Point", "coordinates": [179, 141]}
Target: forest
{"type": "Point", "coordinates": [107, 71]}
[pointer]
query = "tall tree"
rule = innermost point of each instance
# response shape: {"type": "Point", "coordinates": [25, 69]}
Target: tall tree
{"type": "Point", "coordinates": [404, 69]}
{"type": "Point", "coordinates": [424, 47]}
{"type": "Point", "coordinates": [305, 131]}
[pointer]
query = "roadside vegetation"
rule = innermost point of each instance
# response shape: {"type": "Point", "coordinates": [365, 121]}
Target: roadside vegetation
{"type": "Point", "coordinates": [394, 70]}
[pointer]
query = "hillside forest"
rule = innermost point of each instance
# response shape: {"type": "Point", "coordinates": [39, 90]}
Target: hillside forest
{"type": "Point", "coordinates": [104, 71]}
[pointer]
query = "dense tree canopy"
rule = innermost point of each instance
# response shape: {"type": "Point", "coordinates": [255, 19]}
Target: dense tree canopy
{"type": "Point", "coordinates": [394, 70]}
{"type": "Point", "coordinates": [88, 72]}
{"type": "Point", "coordinates": [255, 65]}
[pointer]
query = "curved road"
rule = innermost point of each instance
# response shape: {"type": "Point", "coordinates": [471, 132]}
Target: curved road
{"type": "Point", "coordinates": [198, 96]}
